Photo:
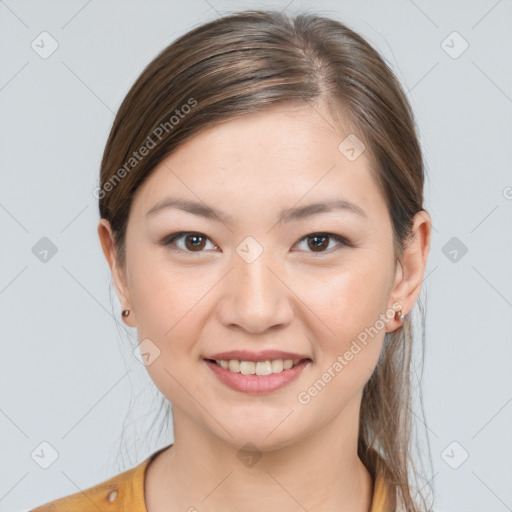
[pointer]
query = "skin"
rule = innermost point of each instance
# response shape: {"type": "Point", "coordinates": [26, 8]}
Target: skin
{"type": "Point", "coordinates": [292, 298]}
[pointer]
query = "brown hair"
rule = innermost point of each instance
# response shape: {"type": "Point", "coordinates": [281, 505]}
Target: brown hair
{"type": "Point", "coordinates": [247, 62]}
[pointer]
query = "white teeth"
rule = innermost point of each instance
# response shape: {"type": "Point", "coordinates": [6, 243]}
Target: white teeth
{"type": "Point", "coordinates": [277, 366]}
{"type": "Point", "coordinates": [263, 368]}
{"type": "Point", "coordinates": [234, 365]}
{"type": "Point", "coordinates": [247, 367]}
{"type": "Point", "coordinates": [258, 368]}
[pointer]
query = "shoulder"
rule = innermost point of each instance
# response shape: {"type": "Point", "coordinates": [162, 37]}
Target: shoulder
{"type": "Point", "coordinates": [121, 492]}
{"type": "Point", "coordinates": [383, 500]}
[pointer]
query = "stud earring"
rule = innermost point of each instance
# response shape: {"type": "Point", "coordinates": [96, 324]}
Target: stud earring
{"type": "Point", "coordinates": [126, 312]}
{"type": "Point", "coordinates": [399, 316]}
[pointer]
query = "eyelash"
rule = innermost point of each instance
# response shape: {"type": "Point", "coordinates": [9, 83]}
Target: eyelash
{"type": "Point", "coordinates": [169, 240]}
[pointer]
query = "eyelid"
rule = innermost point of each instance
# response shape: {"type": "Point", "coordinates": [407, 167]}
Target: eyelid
{"type": "Point", "coordinates": [342, 241]}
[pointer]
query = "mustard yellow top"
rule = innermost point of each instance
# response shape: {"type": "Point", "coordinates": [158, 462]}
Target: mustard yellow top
{"type": "Point", "coordinates": [125, 492]}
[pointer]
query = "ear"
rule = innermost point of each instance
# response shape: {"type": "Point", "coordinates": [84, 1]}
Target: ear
{"type": "Point", "coordinates": [118, 274]}
{"type": "Point", "coordinates": [410, 272]}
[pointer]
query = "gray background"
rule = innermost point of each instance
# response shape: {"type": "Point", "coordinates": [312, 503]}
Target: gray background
{"type": "Point", "coordinates": [68, 374]}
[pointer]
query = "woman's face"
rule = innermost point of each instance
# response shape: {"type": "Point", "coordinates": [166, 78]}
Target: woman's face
{"type": "Point", "coordinates": [253, 279]}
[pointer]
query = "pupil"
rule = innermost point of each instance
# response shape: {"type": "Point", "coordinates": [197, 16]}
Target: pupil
{"type": "Point", "coordinates": [320, 245]}
{"type": "Point", "coordinates": [197, 241]}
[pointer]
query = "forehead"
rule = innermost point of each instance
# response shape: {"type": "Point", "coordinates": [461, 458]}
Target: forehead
{"type": "Point", "coordinates": [283, 155]}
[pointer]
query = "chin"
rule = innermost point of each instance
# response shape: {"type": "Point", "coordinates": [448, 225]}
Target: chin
{"type": "Point", "coordinates": [267, 432]}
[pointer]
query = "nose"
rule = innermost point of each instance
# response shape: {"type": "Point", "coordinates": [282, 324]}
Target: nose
{"type": "Point", "coordinates": [255, 297]}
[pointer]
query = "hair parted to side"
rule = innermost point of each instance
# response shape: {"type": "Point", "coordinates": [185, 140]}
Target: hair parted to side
{"type": "Point", "coordinates": [247, 62]}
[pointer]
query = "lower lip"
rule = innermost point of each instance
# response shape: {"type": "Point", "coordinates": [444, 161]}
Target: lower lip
{"type": "Point", "coordinates": [257, 384]}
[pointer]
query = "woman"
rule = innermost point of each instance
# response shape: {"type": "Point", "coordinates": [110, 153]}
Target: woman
{"type": "Point", "coordinates": [261, 202]}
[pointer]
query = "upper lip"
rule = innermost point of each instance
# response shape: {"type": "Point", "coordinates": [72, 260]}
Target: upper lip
{"type": "Point", "coordinates": [264, 355]}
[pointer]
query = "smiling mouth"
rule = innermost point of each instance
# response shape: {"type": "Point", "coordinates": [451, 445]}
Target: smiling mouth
{"type": "Point", "coordinates": [260, 368]}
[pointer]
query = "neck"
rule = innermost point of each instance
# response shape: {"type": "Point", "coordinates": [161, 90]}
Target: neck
{"type": "Point", "coordinates": [320, 472]}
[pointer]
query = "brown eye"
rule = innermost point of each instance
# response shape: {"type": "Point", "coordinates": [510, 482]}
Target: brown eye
{"type": "Point", "coordinates": [320, 242]}
{"type": "Point", "coordinates": [194, 242]}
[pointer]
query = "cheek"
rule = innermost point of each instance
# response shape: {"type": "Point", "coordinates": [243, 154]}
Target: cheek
{"type": "Point", "coordinates": [165, 295]}
{"type": "Point", "coordinates": [170, 313]}
{"type": "Point", "coordinates": [173, 305]}
{"type": "Point", "coordinates": [346, 359]}
{"type": "Point", "coordinates": [347, 316]}
{"type": "Point", "coordinates": [350, 296]}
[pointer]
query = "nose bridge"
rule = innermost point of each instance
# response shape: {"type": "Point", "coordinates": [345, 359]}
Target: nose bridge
{"type": "Point", "coordinates": [254, 279]}
{"type": "Point", "coordinates": [259, 299]}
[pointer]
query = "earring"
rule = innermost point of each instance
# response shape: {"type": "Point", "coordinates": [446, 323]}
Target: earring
{"type": "Point", "coordinates": [399, 316]}
{"type": "Point", "coordinates": [126, 312]}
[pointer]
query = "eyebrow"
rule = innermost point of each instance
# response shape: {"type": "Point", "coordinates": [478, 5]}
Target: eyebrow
{"type": "Point", "coordinates": [287, 215]}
